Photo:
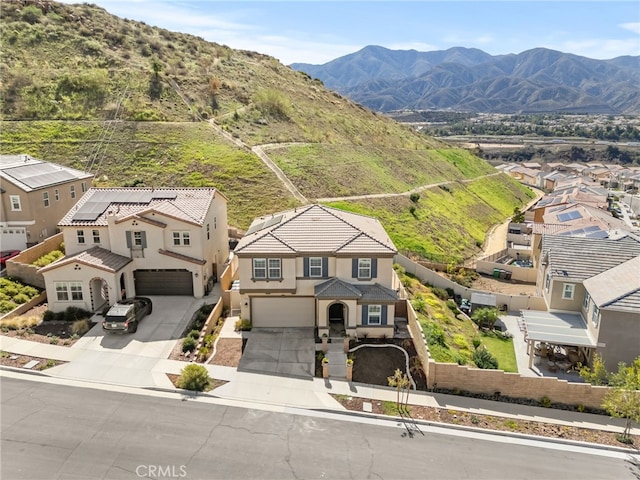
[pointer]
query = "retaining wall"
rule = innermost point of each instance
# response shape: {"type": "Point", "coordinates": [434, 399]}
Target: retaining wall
{"type": "Point", "coordinates": [20, 309]}
{"type": "Point", "coordinates": [20, 266]}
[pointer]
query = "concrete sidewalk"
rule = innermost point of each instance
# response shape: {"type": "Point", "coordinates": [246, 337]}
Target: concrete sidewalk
{"type": "Point", "coordinates": [312, 393]}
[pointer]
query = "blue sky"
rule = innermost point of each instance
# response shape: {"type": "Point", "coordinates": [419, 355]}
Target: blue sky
{"type": "Point", "coordinates": [319, 31]}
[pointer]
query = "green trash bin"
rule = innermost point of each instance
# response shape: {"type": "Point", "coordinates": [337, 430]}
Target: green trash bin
{"type": "Point", "coordinates": [496, 273]}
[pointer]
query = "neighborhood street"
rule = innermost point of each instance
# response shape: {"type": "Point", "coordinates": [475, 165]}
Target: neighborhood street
{"type": "Point", "coordinates": [57, 431]}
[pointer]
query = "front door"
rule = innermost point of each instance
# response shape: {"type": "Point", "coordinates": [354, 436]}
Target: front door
{"type": "Point", "coordinates": [337, 319]}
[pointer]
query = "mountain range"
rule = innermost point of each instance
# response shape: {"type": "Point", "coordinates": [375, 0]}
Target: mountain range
{"type": "Point", "coordinates": [467, 79]}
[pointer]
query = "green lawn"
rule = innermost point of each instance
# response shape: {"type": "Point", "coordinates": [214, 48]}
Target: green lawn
{"type": "Point", "coordinates": [502, 349]}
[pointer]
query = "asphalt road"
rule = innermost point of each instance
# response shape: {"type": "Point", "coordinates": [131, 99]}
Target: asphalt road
{"type": "Point", "coordinates": [54, 431]}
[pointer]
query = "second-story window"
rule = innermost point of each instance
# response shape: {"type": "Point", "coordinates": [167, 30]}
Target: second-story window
{"type": "Point", "coordinates": [15, 203]}
{"type": "Point", "coordinates": [72, 190]}
{"type": "Point", "coordinates": [595, 316]}
{"type": "Point", "coordinates": [96, 236]}
{"type": "Point", "coordinates": [275, 270]}
{"type": "Point", "coordinates": [259, 268]}
{"type": "Point", "coordinates": [267, 268]}
{"type": "Point", "coordinates": [45, 198]}
{"type": "Point", "coordinates": [364, 268]}
{"type": "Point", "coordinates": [181, 238]}
{"type": "Point", "coordinates": [56, 194]}
{"type": "Point", "coordinates": [83, 186]}
{"type": "Point", "coordinates": [80, 236]}
{"type": "Point", "coordinates": [208, 232]}
{"type": "Point", "coordinates": [137, 239]}
{"type": "Point", "coordinates": [315, 267]}
{"type": "Point", "coordinates": [585, 302]}
{"type": "Point", "coordinates": [567, 291]}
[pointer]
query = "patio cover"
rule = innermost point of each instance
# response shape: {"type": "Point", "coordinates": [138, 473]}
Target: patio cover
{"type": "Point", "coordinates": [486, 299]}
{"type": "Point", "coordinates": [557, 328]}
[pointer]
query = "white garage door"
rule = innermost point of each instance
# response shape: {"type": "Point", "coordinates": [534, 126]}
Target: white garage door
{"type": "Point", "coordinates": [283, 312]}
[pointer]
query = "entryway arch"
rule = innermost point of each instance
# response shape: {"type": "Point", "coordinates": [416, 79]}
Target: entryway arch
{"type": "Point", "coordinates": [337, 313]}
{"type": "Point", "coordinates": [99, 289]}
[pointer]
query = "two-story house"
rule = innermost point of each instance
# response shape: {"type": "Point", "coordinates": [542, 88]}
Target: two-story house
{"type": "Point", "coordinates": [122, 242]}
{"type": "Point", "coordinates": [592, 291]}
{"type": "Point", "coordinates": [318, 267]}
{"type": "Point", "coordinates": [35, 195]}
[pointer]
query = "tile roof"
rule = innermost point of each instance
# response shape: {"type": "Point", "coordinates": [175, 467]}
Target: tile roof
{"type": "Point", "coordinates": [94, 257]}
{"type": "Point", "coordinates": [28, 173]}
{"type": "Point", "coordinates": [187, 204]}
{"type": "Point", "coordinates": [578, 258]}
{"type": "Point", "coordinates": [617, 288]}
{"type": "Point", "coordinates": [316, 229]}
{"type": "Point", "coordinates": [336, 288]}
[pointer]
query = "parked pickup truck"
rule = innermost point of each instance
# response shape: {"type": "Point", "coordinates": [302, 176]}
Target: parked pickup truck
{"type": "Point", "coordinates": [124, 316]}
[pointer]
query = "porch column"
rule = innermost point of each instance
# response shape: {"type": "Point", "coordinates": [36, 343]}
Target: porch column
{"type": "Point", "coordinates": [530, 350]}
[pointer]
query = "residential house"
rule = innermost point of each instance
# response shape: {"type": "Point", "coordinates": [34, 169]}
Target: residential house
{"type": "Point", "coordinates": [122, 242]}
{"type": "Point", "coordinates": [318, 267]}
{"type": "Point", "coordinates": [525, 175]}
{"type": "Point", "coordinates": [595, 284]}
{"type": "Point", "coordinates": [35, 195]}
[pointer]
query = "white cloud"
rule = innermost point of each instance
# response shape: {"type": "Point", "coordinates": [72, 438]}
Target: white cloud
{"type": "Point", "coordinates": [631, 26]}
{"type": "Point", "coordinates": [602, 49]}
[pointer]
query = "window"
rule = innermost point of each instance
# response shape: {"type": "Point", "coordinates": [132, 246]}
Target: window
{"type": "Point", "coordinates": [208, 232]}
{"type": "Point", "coordinates": [56, 194]}
{"type": "Point", "coordinates": [595, 316]}
{"type": "Point", "coordinates": [585, 302]}
{"type": "Point", "coordinates": [315, 267]}
{"type": "Point", "coordinates": [374, 314]}
{"type": "Point", "coordinates": [274, 268]}
{"type": "Point", "coordinates": [61, 291]}
{"type": "Point", "coordinates": [80, 235]}
{"type": "Point", "coordinates": [567, 292]}
{"type": "Point", "coordinates": [45, 198]}
{"type": "Point", "coordinates": [259, 268]}
{"type": "Point", "coordinates": [137, 239]}
{"type": "Point", "coordinates": [15, 203]}
{"type": "Point", "coordinates": [267, 268]}
{"type": "Point", "coordinates": [76, 290]}
{"type": "Point", "coordinates": [72, 189]}
{"type": "Point", "coordinates": [83, 187]}
{"type": "Point", "coordinates": [364, 268]}
{"type": "Point", "coordinates": [96, 236]}
{"type": "Point", "coordinates": [66, 290]}
{"type": "Point", "coordinates": [181, 238]}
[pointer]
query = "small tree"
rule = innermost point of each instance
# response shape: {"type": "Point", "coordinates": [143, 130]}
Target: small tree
{"type": "Point", "coordinates": [623, 398]}
{"type": "Point", "coordinates": [400, 381]}
{"type": "Point", "coordinates": [518, 216]}
{"type": "Point", "coordinates": [485, 317]}
{"type": "Point", "coordinates": [194, 377]}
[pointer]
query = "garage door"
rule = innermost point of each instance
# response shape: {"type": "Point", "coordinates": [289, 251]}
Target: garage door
{"type": "Point", "coordinates": [163, 282]}
{"type": "Point", "coordinates": [283, 312]}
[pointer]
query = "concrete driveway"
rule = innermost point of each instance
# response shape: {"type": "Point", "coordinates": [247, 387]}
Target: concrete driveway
{"type": "Point", "coordinates": [280, 351]}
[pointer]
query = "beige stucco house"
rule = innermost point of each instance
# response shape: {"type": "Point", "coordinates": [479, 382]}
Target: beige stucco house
{"type": "Point", "coordinates": [139, 241]}
{"type": "Point", "coordinates": [596, 281]}
{"type": "Point", "coordinates": [35, 195]}
{"type": "Point", "coordinates": [318, 267]}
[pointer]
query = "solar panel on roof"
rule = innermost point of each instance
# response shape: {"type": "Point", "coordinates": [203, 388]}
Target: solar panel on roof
{"type": "Point", "coordinates": [272, 221]}
{"type": "Point", "coordinates": [255, 228]}
{"type": "Point", "coordinates": [600, 234]}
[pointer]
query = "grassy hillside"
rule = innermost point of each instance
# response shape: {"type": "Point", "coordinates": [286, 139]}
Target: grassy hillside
{"type": "Point", "coordinates": [69, 70]}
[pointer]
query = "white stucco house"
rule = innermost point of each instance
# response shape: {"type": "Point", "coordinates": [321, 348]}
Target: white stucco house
{"type": "Point", "coordinates": [320, 267]}
{"type": "Point", "coordinates": [122, 242]}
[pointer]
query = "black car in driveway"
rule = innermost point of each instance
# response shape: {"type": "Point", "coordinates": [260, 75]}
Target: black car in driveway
{"type": "Point", "coordinates": [124, 316]}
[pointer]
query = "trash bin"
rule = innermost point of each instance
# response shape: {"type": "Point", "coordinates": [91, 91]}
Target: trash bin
{"type": "Point", "coordinates": [507, 275]}
{"type": "Point", "coordinates": [496, 273]}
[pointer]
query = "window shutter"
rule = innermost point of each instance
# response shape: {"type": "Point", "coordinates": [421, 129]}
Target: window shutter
{"type": "Point", "coordinates": [365, 315]}
{"type": "Point", "coordinates": [143, 236]}
{"type": "Point", "coordinates": [374, 267]}
{"type": "Point", "coordinates": [128, 235]}
{"type": "Point", "coordinates": [383, 320]}
{"type": "Point", "coordinates": [325, 267]}
{"type": "Point", "coordinates": [305, 267]}
{"type": "Point", "coordinates": [354, 268]}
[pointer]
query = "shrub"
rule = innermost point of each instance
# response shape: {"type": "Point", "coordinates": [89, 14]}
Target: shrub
{"type": "Point", "coordinates": [545, 402]}
{"type": "Point", "coordinates": [203, 354]}
{"type": "Point", "coordinates": [435, 335]}
{"type": "Point", "coordinates": [414, 197]}
{"type": "Point", "coordinates": [31, 14]}
{"type": "Point", "coordinates": [272, 103]}
{"type": "Point", "coordinates": [452, 305]}
{"type": "Point", "coordinates": [243, 325]}
{"type": "Point", "coordinates": [21, 298]}
{"type": "Point", "coordinates": [7, 306]}
{"type": "Point", "coordinates": [49, 316]}
{"type": "Point", "coordinates": [194, 377]}
{"type": "Point", "coordinates": [476, 342]}
{"type": "Point", "coordinates": [483, 359]}
{"type": "Point", "coordinates": [208, 340]}
{"type": "Point", "coordinates": [80, 327]}
{"type": "Point", "coordinates": [188, 344]}
{"type": "Point", "coordinates": [48, 258]}
{"type": "Point", "coordinates": [19, 323]}
{"type": "Point", "coordinates": [441, 293]}
{"type": "Point", "coordinates": [195, 334]}
{"type": "Point", "coordinates": [72, 314]}
{"type": "Point", "coordinates": [485, 317]}
{"type": "Point", "coordinates": [54, 340]}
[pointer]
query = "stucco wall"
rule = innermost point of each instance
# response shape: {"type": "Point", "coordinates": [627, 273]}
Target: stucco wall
{"type": "Point", "coordinates": [620, 337]}
{"type": "Point", "coordinates": [513, 302]}
{"type": "Point", "coordinates": [520, 274]}
{"type": "Point", "coordinates": [20, 266]}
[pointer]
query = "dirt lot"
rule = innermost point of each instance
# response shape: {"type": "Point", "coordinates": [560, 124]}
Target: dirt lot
{"type": "Point", "coordinates": [490, 284]}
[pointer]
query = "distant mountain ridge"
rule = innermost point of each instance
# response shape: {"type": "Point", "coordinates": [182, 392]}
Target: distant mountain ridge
{"type": "Point", "coordinates": [467, 79]}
